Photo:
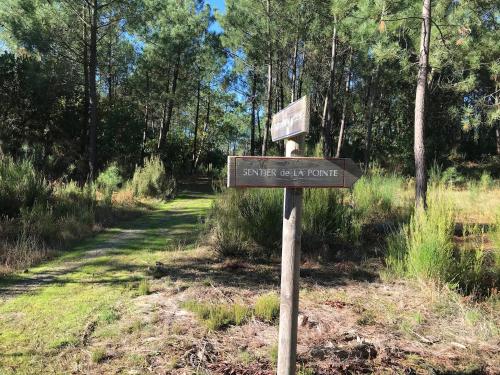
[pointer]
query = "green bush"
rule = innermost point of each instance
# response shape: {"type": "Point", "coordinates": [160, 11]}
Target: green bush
{"type": "Point", "coordinates": [152, 180]}
{"type": "Point", "coordinates": [267, 307]}
{"type": "Point", "coordinates": [249, 222]}
{"type": "Point", "coordinates": [396, 252]}
{"type": "Point", "coordinates": [375, 196]}
{"type": "Point", "coordinates": [109, 181]}
{"type": "Point", "coordinates": [430, 239]}
{"type": "Point", "coordinates": [424, 249]}
{"type": "Point", "coordinates": [449, 177]}
{"type": "Point", "coordinates": [486, 182]}
{"type": "Point", "coordinates": [38, 217]}
{"type": "Point", "coordinates": [325, 219]}
{"type": "Point", "coordinates": [213, 316]}
{"type": "Point", "coordinates": [21, 186]}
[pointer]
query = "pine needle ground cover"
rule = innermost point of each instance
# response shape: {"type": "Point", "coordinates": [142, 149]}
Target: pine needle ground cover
{"type": "Point", "coordinates": [153, 296]}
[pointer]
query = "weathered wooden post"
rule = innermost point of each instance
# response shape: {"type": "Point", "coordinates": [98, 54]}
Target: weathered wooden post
{"type": "Point", "coordinates": [293, 173]}
{"type": "Point", "coordinates": [290, 268]}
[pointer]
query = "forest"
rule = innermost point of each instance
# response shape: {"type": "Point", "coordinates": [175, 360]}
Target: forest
{"type": "Point", "coordinates": [117, 118]}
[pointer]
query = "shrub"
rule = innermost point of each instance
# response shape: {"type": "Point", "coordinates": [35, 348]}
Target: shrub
{"type": "Point", "coordinates": [144, 287]}
{"type": "Point", "coordinates": [325, 219]}
{"type": "Point", "coordinates": [396, 252]}
{"type": "Point", "coordinates": [109, 181]}
{"type": "Point", "coordinates": [424, 249]}
{"type": "Point", "coordinates": [261, 211]}
{"type": "Point", "coordinates": [375, 196]}
{"type": "Point", "coordinates": [246, 222]}
{"type": "Point", "coordinates": [21, 186]}
{"type": "Point", "coordinates": [152, 180]}
{"type": "Point", "coordinates": [214, 316]}
{"type": "Point", "coordinates": [429, 239]}
{"type": "Point", "coordinates": [486, 182]}
{"type": "Point", "coordinates": [241, 313]}
{"type": "Point", "coordinates": [249, 222]}
{"type": "Point", "coordinates": [267, 307]}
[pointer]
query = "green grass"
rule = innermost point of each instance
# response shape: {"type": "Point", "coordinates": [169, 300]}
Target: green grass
{"type": "Point", "coordinates": [98, 355]}
{"type": "Point", "coordinates": [36, 326]}
{"type": "Point", "coordinates": [216, 316]}
{"type": "Point", "coordinates": [267, 307]}
{"type": "Point", "coordinates": [144, 288]}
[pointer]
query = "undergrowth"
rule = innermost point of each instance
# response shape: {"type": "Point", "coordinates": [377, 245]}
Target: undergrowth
{"type": "Point", "coordinates": [219, 316]}
{"type": "Point", "coordinates": [247, 223]}
{"type": "Point", "coordinates": [152, 180]}
{"type": "Point", "coordinates": [425, 249]}
{"type": "Point", "coordinates": [38, 217]}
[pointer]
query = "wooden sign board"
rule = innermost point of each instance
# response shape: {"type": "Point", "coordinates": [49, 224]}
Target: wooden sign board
{"type": "Point", "coordinates": [291, 121]}
{"type": "Point", "coordinates": [257, 171]}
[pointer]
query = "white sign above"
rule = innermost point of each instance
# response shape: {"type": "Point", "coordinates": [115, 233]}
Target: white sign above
{"type": "Point", "coordinates": [291, 121]}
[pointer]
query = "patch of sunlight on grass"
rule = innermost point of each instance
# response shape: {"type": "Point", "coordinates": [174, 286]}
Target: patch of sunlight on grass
{"type": "Point", "coordinates": [85, 288]}
{"type": "Point", "coordinates": [51, 318]}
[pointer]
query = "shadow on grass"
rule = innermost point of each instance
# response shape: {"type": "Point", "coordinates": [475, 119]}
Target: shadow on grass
{"type": "Point", "coordinates": [157, 230]}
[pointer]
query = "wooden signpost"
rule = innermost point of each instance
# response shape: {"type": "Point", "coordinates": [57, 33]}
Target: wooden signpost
{"type": "Point", "coordinates": [291, 121]}
{"type": "Point", "coordinates": [299, 172]}
{"type": "Point", "coordinates": [294, 173]}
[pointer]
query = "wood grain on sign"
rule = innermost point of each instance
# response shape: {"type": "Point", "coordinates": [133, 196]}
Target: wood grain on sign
{"type": "Point", "coordinates": [257, 171]}
{"type": "Point", "coordinates": [291, 121]}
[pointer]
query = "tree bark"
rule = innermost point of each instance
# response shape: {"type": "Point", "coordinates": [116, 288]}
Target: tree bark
{"type": "Point", "coordinates": [419, 147]}
{"type": "Point", "coordinates": [110, 69]}
{"type": "Point", "coordinates": [252, 120]}
{"type": "Point", "coordinates": [497, 132]}
{"type": "Point", "coordinates": [93, 92]}
{"type": "Point", "coordinates": [165, 127]}
{"type": "Point", "coordinates": [269, 82]}
{"type": "Point", "coordinates": [205, 130]}
{"type": "Point", "coordinates": [196, 120]}
{"type": "Point", "coordinates": [326, 121]}
{"type": "Point", "coordinates": [369, 117]}
{"type": "Point", "coordinates": [86, 99]}
{"type": "Point", "coordinates": [146, 121]}
{"type": "Point", "coordinates": [293, 96]}
{"type": "Point", "coordinates": [344, 107]}
{"type": "Point", "coordinates": [301, 75]}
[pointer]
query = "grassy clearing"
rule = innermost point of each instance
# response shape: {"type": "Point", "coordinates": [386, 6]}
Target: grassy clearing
{"type": "Point", "coordinates": [40, 218]}
{"type": "Point", "coordinates": [83, 293]}
{"type": "Point", "coordinates": [426, 249]}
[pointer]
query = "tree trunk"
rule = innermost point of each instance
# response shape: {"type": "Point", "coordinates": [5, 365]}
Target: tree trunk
{"type": "Point", "coordinates": [344, 107]}
{"type": "Point", "coordinates": [146, 121]}
{"type": "Point", "coordinates": [93, 92]}
{"type": "Point", "coordinates": [301, 75]}
{"type": "Point", "coordinates": [497, 132]}
{"type": "Point", "coordinates": [269, 82]}
{"type": "Point", "coordinates": [110, 69]}
{"type": "Point", "coordinates": [282, 88]}
{"type": "Point", "coordinates": [258, 126]}
{"type": "Point", "coordinates": [196, 120]}
{"type": "Point", "coordinates": [86, 99]}
{"type": "Point", "coordinates": [165, 127]}
{"type": "Point", "coordinates": [205, 130]}
{"type": "Point", "coordinates": [252, 123]}
{"type": "Point", "coordinates": [326, 121]}
{"type": "Point", "coordinates": [293, 96]}
{"type": "Point", "coordinates": [369, 118]}
{"type": "Point", "coordinates": [419, 147]}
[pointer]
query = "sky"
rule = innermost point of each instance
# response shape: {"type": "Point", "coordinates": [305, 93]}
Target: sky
{"type": "Point", "coordinates": [221, 7]}
{"type": "Point", "coordinates": [218, 4]}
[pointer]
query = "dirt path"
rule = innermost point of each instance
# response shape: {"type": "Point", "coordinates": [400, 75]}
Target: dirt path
{"type": "Point", "coordinates": [161, 221]}
{"type": "Point", "coordinates": [54, 305]}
